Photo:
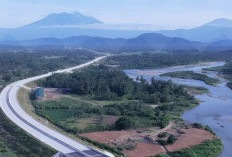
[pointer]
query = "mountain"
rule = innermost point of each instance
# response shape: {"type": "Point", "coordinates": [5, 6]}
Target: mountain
{"type": "Point", "coordinates": [75, 41]}
{"type": "Point", "coordinates": [149, 41]}
{"type": "Point", "coordinates": [223, 22]}
{"type": "Point", "coordinates": [220, 29]}
{"type": "Point", "coordinates": [63, 19]}
{"type": "Point", "coordinates": [222, 45]}
{"type": "Point", "coordinates": [65, 25]}
{"type": "Point", "coordinates": [159, 42]}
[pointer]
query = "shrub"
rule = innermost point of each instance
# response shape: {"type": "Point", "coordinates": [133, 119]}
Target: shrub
{"type": "Point", "coordinates": [198, 125]}
{"type": "Point", "coordinates": [162, 134]}
{"type": "Point", "coordinates": [171, 139]}
{"type": "Point", "coordinates": [124, 123]}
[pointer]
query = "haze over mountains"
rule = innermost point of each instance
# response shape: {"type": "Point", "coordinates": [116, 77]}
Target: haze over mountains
{"type": "Point", "coordinates": [63, 19]}
{"type": "Point", "coordinates": [148, 41]}
{"type": "Point", "coordinates": [220, 29]}
{"type": "Point", "coordinates": [74, 29]}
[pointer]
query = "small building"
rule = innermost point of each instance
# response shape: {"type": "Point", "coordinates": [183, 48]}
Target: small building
{"type": "Point", "coordinates": [39, 93]}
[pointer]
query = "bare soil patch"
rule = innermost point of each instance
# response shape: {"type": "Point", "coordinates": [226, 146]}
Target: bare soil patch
{"type": "Point", "coordinates": [189, 138]}
{"type": "Point", "coordinates": [144, 150]}
{"type": "Point", "coordinates": [108, 137]}
{"type": "Point", "coordinates": [146, 139]}
{"type": "Point", "coordinates": [52, 93]}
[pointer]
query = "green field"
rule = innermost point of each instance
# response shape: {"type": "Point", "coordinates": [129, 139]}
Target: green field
{"type": "Point", "coordinates": [77, 116]}
{"type": "Point", "coordinates": [192, 75]}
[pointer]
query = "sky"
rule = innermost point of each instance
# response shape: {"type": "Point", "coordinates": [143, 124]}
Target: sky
{"type": "Point", "coordinates": [162, 14]}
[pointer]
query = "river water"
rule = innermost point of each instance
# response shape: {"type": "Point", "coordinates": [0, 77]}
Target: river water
{"type": "Point", "coordinates": [215, 110]}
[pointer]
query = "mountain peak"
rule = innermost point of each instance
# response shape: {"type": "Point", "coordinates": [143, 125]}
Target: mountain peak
{"type": "Point", "coordinates": [64, 18]}
{"type": "Point", "coordinates": [222, 22]}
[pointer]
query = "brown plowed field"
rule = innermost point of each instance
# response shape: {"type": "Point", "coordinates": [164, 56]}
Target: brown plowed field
{"type": "Point", "coordinates": [144, 150]}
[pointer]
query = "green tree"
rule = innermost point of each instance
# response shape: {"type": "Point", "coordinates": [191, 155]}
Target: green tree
{"type": "Point", "coordinates": [124, 123]}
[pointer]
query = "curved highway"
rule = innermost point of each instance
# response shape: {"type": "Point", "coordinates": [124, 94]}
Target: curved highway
{"type": "Point", "coordinates": [11, 107]}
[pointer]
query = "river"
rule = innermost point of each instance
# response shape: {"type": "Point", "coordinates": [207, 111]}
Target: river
{"type": "Point", "coordinates": [215, 110]}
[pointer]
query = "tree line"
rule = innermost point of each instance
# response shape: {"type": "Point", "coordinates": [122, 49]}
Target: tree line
{"type": "Point", "coordinates": [157, 60]}
{"type": "Point", "coordinates": [22, 64]}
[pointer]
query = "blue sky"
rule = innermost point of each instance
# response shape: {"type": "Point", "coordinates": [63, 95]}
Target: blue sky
{"type": "Point", "coordinates": [164, 14]}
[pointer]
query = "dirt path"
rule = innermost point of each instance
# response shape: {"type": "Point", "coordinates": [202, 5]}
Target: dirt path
{"type": "Point", "coordinates": [164, 129]}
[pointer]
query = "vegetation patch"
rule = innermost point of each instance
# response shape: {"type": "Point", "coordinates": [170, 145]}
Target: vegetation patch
{"type": "Point", "coordinates": [192, 75]}
{"type": "Point", "coordinates": [170, 140]}
{"type": "Point", "coordinates": [77, 116]}
{"type": "Point", "coordinates": [196, 90]}
{"type": "Point", "coordinates": [19, 142]}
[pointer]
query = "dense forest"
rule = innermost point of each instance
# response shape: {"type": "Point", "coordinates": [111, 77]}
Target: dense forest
{"type": "Point", "coordinates": [22, 64]}
{"type": "Point", "coordinates": [104, 83]}
{"type": "Point", "coordinates": [156, 60]}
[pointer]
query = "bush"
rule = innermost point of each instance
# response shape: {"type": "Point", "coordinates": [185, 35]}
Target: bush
{"type": "Point", "coordinates": [171, 139]}
{"type": "Point", "coordinates": [162, 134]}
{"type": "Point", "coordinates": [162, 142]}
{"type": "Point", "coordinates": [124, 123]}
{"type": "Point", "coordinates": [198, 125]}
{"type": "Point", "coordinates": [164, 121]}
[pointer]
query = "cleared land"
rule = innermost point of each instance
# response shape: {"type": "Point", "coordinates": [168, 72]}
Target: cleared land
{"type": "Point", "coordinates": [189, 138]}
{"type": "Point", "coordinates": [143, 141]}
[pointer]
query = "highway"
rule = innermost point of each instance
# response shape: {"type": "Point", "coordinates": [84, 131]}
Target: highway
{"type": "Point", "coordinates": [13, 110]}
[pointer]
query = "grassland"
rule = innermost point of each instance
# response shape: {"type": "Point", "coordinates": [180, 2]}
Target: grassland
{"type": "Point", "coordinates": [192, 75]}
{"type": "Point", "coordinates": [196, 90]}
{"type": "Point", "coordinates": [78, 116]}
{"type": "Point", "coordinates": [24, 98]}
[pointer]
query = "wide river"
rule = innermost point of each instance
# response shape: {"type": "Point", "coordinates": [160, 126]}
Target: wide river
{"type": "Point", "coordinates": [215, 110]}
